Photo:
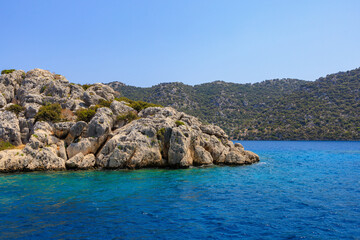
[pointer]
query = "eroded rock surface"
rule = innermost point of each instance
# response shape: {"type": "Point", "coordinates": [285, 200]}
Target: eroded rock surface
{"type": "Point", "coordinates": [155, 137]}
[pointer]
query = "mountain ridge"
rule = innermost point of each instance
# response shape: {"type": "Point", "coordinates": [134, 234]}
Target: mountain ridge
{"type": "Point", "coordinates": [277, 109]}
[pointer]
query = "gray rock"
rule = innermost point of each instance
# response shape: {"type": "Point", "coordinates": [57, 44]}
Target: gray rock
{"type": "Point", "coordinates": [79, 161]}
{"type": "Point", "coordinates": [10, 83]}
{"type": "Point", "coordinates": [9, 128]}
{"type": "Point", "coordinates": [25, 129]}
{"type": "Point", "coordinates": [102, 91]}
{"type": "Point", "coordinates": [12, 160]}
{"type": "Point", "coordinates": [76, 91]}
{"type": "Point", "coordinates": [84, 145]}
{"type": "Point", "coordinates": [120, 108]}
{"type": "Point", "coordinates": [62, 150]}
{"type": "Point", "coordinates": [213, 130]}
{"type": "Point", "coordinates": [57, 89]}
{"type": "Point", "coordinates": [239, 146]}
{"type": "Point", "coordinates": [179, 151]}
{"type": "Point", "coordinates": [32, 98]}
{"type": "Point", "coordinates": [235, 158]}
{"type": "Point", "coordinates": [101, 124]}
{"type": "Point", "coordinates": [62, 129]}
{"type": "Point", "coordinates": [75, 131]}
{"type": "Point", "coordinates": [134, 146]}
{"type": "Point", "coordinates": [75, 161]}
{"type": "Point", "coordinates": [2, 100]}
{"type": "Point", "coordinates": [158, 112]}
{"type": "Point", "coordinates": [46, 159]}
{"type": "Point", "coordinates": [90, 98]}
{"type": "Point", "coordinates": [31, 109]}
{"type": "Point", "coordinates": [201, 156]}
{"type": "Point", "coordinates": [251, 157]}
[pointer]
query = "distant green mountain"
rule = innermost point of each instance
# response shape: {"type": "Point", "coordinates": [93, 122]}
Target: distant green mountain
{"type": "Point", "coordinates": [280, 109]}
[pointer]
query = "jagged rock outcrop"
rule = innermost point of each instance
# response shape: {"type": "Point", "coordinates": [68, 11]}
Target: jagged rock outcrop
{"type": "Point", "coordinates": [154, 137]}
{"type": "Point", "coordinates": [161, 139]}
{"type": "Point", "coordinates": [9, 128]}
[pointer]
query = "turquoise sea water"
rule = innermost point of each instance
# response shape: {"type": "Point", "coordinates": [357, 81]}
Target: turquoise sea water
{"type": "Point", "coordinates": [299, 190]}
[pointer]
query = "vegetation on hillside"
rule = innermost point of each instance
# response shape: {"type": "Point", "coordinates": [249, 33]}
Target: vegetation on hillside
{"type": "Point", "coordinates": [49, 112]}
{"type": "Point", "coordinates": [86, 114]}
{"type": "Point", "coordinates": [280, 109]}
{"type": "Point", "coordinates": [7, 71]}
{"type": "Point", "coordinates": [5, 145]}
{"type": "Point", "coordinates": [15, 108]}
{"type": "Point", "coordinates": [137, 105]}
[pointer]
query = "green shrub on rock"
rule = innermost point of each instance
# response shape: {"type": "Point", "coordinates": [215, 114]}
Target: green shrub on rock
{"type": "Point", "coordinates": [130, 116]}
{"type": "Point", "coordinates": [15, 108]}
{"type": "Point", "coordinates": [104, 103]}
{"type": "Point", "coordinates": [5, 145]}
{"type": "Point", "coordinates": [86, 114]}
{"type": "Point", "coordinates": [7, 71]}
{"type": "Point", "coordinates": [179, 123]}
{"type": "Point", "coordinates": [49, 112]}
{"type": "Point", "coordinates": [86, 86]}
{"type": "Point", "coordinates": [137, 105]}
{"type": "Point", "coordinates": [160, 134]}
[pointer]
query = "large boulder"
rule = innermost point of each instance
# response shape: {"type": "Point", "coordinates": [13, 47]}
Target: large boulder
{"type": "Point", "coordinates": [79, 161]}
{"type": "Point", "coordinates": [101, 124]}
{"type": "Point", "coordinates": [180, 149]}
{"type": "Point", "coordinates": [12, 160]}
{"type": "Point", "coordinates": [10, 83]}
{"type": "Point", "coordinates": [57, 88]}
{"type": "Point", "coordinates": [76, 91]}
{"type": "Point", "coordinates": [84, 146]}
{"type": "Point", "coordinates": [75, 131]}
{"type": "Point", "coordinates": [119, 108]}
{"type": "Point", "coordinates": [134, 146]}
{"type": "Point", "coordinates": [62, 129]}
{"type": "Point", "coordinates": [201, 156]}
{"type": "Point", "coordinates": [46, 159]}
{"type": "Point", "coordinates": [2, 100]}
{"type": "Point", "coordinates": [31, 109]}
{"type": "Point", "coordinates": [9, 128]}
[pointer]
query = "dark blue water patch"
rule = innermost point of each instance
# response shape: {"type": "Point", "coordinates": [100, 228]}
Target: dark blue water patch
{"type": "Point", "coordinates": [299, 190]}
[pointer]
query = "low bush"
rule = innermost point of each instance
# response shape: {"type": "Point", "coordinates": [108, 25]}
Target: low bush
{"type": "Point", "coordinates": [161, 133]}
{"type": "Point", "coordinates": [7, 71]}
{"type": "Point", "coordinates": [124, 99]}
{"type": "Point", "coordinates": [15, 108]}
{"type": "Point", "coordinates": [86, 86]}
{"type": "Point", "coordinates": [49, 112]}
{"type": "Point", "coordinates": [104, 103]}
{"type": "Point", "coordinates": [130, 116]}
{"type": "Point", "coordinates": [137, 105]}
{"type": "Point", "coordinates": [86, 114]}
{"type": "Point", "coordinates": [179, 123]}
{"type": "Point", "coordinates": [43, 89]}
{"type": "Point", "coordinates": [5, 145]}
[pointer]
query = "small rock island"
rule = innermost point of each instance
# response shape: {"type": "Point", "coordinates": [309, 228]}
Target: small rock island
{"type": "Point", "coordinates": [47, 123]}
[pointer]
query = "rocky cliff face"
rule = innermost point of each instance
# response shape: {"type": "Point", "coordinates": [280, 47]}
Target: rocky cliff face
{"type": "Point", "coordinates": [158, 137]}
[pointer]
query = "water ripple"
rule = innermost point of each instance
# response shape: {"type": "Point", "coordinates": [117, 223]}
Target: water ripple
{"type": "Point", "coordinates": [307, 190]}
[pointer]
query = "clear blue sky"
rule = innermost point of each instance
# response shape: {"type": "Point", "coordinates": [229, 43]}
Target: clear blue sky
{"type": "Point", "coordinates": [146, 42]}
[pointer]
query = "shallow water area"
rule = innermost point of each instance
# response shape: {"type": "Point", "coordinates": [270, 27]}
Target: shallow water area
{"type": "Point", "coordinates": [307, 190]}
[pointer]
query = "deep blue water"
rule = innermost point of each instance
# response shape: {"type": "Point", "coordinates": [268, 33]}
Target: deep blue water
{"type": "Point", "coordinates": [308, 190]}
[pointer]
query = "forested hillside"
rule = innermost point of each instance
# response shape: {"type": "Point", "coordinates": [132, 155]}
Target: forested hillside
{"type": "Point", "coordinates": [280, 109]}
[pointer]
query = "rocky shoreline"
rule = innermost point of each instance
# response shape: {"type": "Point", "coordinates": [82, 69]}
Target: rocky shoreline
{"type": "Point", "coordinates": [116, 136]}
